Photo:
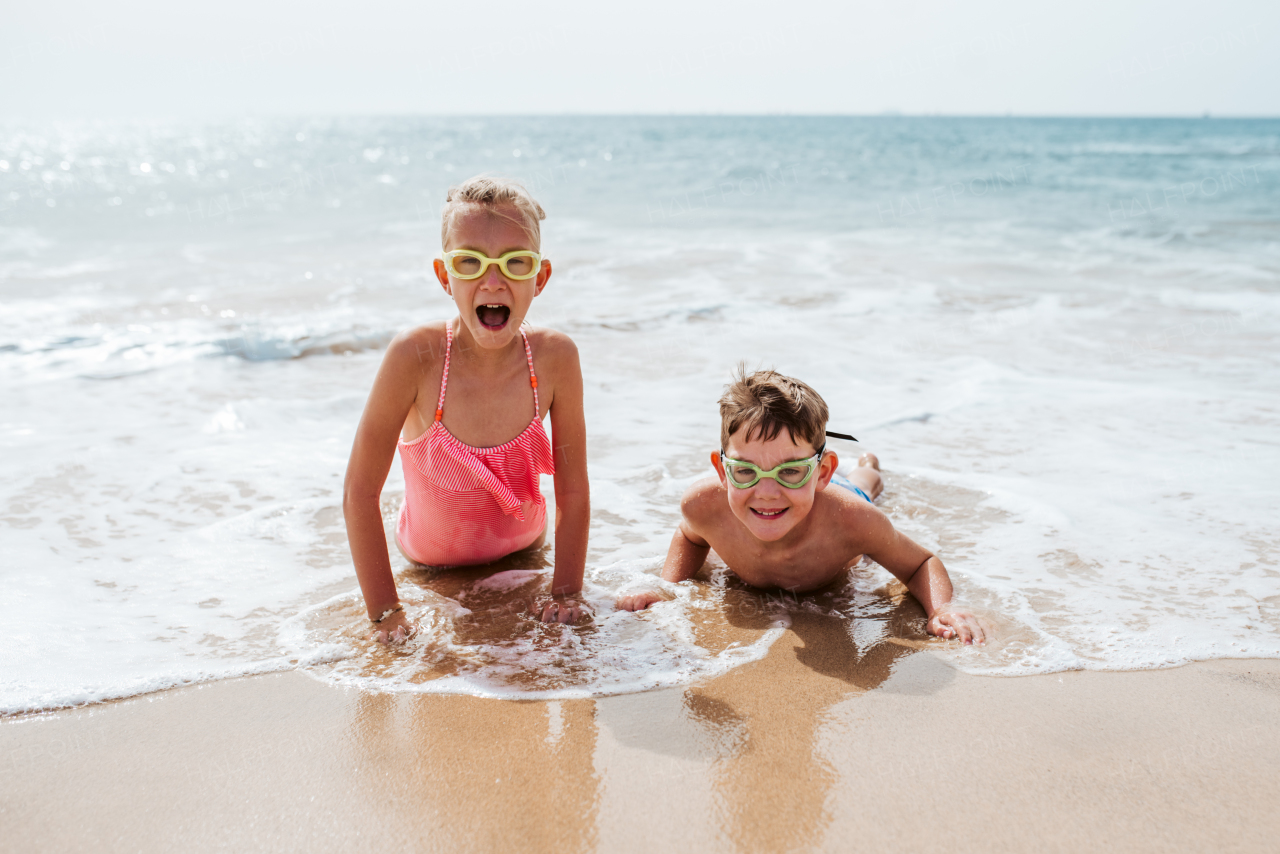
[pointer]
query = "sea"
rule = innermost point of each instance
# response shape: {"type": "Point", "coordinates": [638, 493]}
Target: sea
{"type": "Point", "coordinates": [1061, 337]}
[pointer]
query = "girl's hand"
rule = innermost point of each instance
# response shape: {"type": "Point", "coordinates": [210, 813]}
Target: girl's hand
{"type": "Point", "coordinates": [559, 609]}
{"type": "Point", "coordinates": [957, 624]}
{"type": "Point", "coordinates": [639, 601]}
{"type": "Point", "coordinates": [395, 628]}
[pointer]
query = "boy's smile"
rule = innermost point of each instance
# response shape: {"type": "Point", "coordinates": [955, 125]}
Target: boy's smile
{"type": "Point", "coordinates": [769, 510]}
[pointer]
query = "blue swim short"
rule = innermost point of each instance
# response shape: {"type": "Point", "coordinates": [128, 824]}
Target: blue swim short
{"type": "Point", "coordinates": [841, 480]}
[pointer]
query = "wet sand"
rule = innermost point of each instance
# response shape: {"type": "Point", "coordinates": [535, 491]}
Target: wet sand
{"type": "Point", "coordinates": [804, 750]}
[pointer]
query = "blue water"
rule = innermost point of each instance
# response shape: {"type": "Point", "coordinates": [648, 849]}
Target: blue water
{"type": "Point", "coordinates": [1060, 336]}
{"type": "Point", "coordinates": [850, 168]}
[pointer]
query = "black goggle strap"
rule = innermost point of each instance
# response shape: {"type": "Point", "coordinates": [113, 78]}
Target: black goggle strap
{"type": "Point", "coordinates": [841, 436]}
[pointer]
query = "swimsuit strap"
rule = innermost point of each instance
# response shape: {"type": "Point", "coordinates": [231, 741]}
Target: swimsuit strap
{"type": "Point", "coordinates": [444, 379]}
{"type": "Point", "coordinates": [533, 378]}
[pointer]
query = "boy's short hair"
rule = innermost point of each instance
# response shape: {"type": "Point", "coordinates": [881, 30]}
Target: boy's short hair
{"type": "Point", "coordinates": [493, 193]}
{"type": "Point", "coordinates": [764, 402]}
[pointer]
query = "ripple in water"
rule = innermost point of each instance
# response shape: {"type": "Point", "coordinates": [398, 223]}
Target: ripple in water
{"type": "Point", "coordinates": [478, 636]}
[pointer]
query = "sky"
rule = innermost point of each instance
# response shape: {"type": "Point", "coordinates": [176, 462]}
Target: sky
{"type": "Point", "coordinates": [148, 59]}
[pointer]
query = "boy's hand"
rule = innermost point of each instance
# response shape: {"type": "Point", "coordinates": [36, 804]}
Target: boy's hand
{"type": "Point", "coordinates": [957, 624]}
{"type": "Point", "coordinates": [639, 601]}
{"type": "Point", "coordinates": [559, 609]}
{"type": "Point", "coordinates": [394, 629]}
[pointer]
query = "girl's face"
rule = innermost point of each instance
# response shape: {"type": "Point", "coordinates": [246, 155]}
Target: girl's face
{"type": "Point", "coordinates": [492, 306]}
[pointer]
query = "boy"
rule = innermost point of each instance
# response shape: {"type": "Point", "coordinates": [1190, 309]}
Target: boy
{"type": "Point", "coordinates": [779, 515]}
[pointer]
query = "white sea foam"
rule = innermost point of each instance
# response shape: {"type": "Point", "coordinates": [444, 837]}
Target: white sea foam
{"type": "Point", "coordinates": [484, 640]}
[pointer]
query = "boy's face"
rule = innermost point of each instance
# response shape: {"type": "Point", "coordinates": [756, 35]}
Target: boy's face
{"type": "Point", "coordinates": [768, 509]}
{"type": "Point", "coordinates": [492, 306]}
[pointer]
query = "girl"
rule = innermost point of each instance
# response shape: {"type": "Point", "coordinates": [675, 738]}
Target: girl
{"type": "Point", "coordinates": [466, 399]}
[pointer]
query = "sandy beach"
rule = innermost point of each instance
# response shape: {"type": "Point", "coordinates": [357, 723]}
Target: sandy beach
{"type": "Point", "coordinates": [803, 750]}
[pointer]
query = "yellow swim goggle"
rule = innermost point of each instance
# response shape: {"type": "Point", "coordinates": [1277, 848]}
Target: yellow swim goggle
{"type": "Point", "coordinates": [518, 265]}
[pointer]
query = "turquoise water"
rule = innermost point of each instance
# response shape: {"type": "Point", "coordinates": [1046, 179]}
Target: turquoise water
{"type": "Point", "coordinates": [1059, 335]}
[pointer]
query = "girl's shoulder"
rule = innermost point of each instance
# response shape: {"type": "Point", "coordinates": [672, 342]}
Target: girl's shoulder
{"type": "Point", "coordinates": [419, 344]}
{"type": "Point", "coordinates": [555, 357]}
{"type": "Point", "coordinates": [552, 345]}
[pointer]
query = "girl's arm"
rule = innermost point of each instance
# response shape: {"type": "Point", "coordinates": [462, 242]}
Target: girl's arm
{"type": "Point", "coordinates": [394, 391]}
{"type": "Point", "coordinates": [569, 444]}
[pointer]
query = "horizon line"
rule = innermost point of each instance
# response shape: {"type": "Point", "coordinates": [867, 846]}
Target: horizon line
{"type": "Point", "coordinates": [885, 114]}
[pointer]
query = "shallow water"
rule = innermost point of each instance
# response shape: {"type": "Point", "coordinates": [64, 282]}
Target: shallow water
{"type": "Point", "coordinates": [1058, 335]}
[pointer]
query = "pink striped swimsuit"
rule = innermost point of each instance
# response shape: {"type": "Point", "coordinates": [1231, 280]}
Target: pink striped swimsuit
{"type": "Point", "coordinates": [464, 505]}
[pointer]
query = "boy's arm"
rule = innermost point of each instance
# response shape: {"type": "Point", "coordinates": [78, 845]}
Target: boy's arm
{"type": "Point", "coordinates": [923, 574]}
{"type": "Point", "coordinates": [394, 392]}
{"type": "Point", "coordinates": [686, 554]}
{"type": "Point", "coordinates": [573, 493]}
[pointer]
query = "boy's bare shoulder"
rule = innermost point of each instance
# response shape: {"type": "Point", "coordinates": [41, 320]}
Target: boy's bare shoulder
{"type": "Point", "coordinates": [860, 524]}
{"type": "Point", "coordinates": [704, 502]}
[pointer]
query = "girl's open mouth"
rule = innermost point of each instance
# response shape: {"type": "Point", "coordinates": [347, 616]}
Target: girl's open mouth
{"type": "Point", "coordinates": [493, 316]}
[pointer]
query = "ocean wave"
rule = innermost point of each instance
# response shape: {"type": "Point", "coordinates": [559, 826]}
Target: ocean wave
{"type": "Point", "coordinates": [264, 345]}
{"type": "Point", "coordinates": [17, 698]}
{"type": "Point", "coordinates": [1047, 359]}
{"type": "Point", "coordinates": [136, 348]}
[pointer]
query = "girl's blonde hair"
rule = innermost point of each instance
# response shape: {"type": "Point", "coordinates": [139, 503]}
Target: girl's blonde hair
{"type": "Point", "coordinates": [494, 193]}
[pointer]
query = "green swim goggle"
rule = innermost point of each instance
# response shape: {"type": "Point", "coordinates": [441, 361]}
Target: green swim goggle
{"type": "Point", "coordinates": [792, 475]}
